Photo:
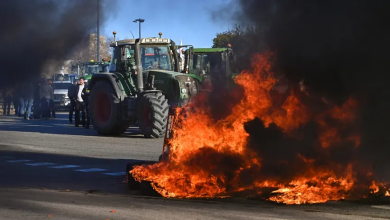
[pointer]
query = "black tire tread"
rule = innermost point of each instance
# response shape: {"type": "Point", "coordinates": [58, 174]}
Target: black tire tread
{"type": "Point", "coordinates": [159, 107]}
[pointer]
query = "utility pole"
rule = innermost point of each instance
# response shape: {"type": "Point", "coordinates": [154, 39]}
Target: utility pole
{"type": "Point", "coordinates": [139, 20]}
{"type": "Point", "coordinates": [97, 33]}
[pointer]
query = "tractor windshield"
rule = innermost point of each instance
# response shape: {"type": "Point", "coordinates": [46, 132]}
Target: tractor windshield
{"type": "Point", "coordinates": [94, 68]}
{"type": "Point", "coordinates": [155, 57]}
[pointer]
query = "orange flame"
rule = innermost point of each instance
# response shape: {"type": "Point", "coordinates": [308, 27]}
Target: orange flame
{"type": "Point", "coordinates": [209, 159]}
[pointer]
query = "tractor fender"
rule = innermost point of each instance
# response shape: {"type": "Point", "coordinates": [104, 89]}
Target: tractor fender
{"type": "Point", "coordinates": [112, 79]}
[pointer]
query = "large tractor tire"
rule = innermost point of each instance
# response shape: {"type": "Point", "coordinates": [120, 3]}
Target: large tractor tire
{"type": "Point", "coordinates": [105, 110]}
{"type": "Point", "coordinates": [153, 114]}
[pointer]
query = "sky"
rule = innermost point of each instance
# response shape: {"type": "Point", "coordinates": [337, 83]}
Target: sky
{"type": "Point", "coordinates": [188, 20]}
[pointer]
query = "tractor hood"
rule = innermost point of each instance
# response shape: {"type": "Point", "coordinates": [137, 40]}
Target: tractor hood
{"type": "Point", "coordinates": [177, 87]}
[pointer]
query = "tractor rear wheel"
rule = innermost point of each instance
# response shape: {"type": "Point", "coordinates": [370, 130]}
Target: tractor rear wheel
{"type": "Point", "coordinates": [153, 114]}
{"type": "Point", "coordinates": [105, 110]}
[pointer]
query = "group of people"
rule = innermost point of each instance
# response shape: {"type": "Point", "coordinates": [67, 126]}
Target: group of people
{"type": "Point", "coordinates": [78, 94]}
{"type": "Point", "coordinates": [41, 97]}
{"type": "Point", "coordinates": [25, 95]}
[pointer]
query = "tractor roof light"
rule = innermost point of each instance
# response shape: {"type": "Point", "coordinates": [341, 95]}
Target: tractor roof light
{"type": "Point", "coordinates": [155, 40]}
{"type": "Point", "coordinates": [114, 33]}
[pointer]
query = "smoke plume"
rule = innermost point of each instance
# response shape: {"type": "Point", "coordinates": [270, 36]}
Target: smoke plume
{"type": "Point", "coordinates": [37, 34]}
{"type": "Point", "coordinates": [340, 49]}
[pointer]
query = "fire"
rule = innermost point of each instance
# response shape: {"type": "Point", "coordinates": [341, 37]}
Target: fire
{"type": "Point", "coordinates": [216, 159]}
{"type": "Point", "coordinates": [374, 188]}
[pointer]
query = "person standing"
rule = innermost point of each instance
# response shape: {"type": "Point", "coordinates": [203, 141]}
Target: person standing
{"type": "Point", "coordinates": [21, 100]}
{"type": "Point", "coordinates": [15, 99]}
{"type": "Point", "coordinates": [85, 98]}
{"type": "Point", "coordinates": [45, 93]}
{"type": "Point", "coordinates": [37, 100]}
{"type": "Point", "coordinates": [80, 105]}
{"type": "Point", "coordinates": [28, 96]}
{"type": "Point", "coordinates": [51, 102]}
{"type": "Point", "coordinates": [72, 97]}
{"type": "Point", "coordinates": [7, 96]}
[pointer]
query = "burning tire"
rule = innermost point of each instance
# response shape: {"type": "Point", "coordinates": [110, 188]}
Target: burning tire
{"type": "Point", "coordinates": [153, 115]}
{"type": "Point", "coordinates": [146, 189]}
{"type": "Point", "coordinates": [105, 110]}
{"type": "Point", "coordinates": [131, 182]}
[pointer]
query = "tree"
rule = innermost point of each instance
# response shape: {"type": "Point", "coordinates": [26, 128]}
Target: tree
{"type": "Point", "coordinates": [244, 43]}
{"type": "Point", "coordinates": [228, 37]}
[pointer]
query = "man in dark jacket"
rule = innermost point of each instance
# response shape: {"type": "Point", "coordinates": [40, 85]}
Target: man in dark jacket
{"type": "Point", "coordinates": [71, 95]}
{"type": "Point", "coordinates": [80, 105]}
{"type": "Point", "coordinates": [45, 94]}
{"type": "Point", "coordinates": [85, 97]}
{"type": "Point", "coordinates": [28, 97]}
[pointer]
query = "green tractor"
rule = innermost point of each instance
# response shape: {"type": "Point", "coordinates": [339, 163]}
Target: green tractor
{"type": "Point", "coordinates": [93, 67]}
{"type": "Point", "coordinates": [209, 65]}
{"type": "Point", "coordinates": [142, 85]}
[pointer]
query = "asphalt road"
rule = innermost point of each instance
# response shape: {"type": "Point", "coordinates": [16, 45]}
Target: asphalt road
{"type": "Point", "coordinates": [50, 169]}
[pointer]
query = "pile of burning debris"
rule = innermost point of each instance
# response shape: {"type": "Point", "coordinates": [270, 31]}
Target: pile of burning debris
{"type": "Point", "coordinates": [297, 145]}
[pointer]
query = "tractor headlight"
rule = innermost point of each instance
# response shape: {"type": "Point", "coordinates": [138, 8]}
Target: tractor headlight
{"type": "Point", "coordinates": [183, 90]}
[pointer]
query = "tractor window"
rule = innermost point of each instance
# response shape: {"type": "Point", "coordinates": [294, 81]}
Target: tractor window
{"type": "Point", "coordinates": [114, 59]}
{"type": "Point", "coordinates": [155, 57]}
{"type": "Point", "coordinates": [205, 64]}
{"type": "Point", "coordinates": [91, 69]}
{"type": "Point", "coordinates": [130, 59]}
{"type": "Point", "coordinates": [212, 61]}
{"type": "Point", "coordinates": [196, 64]}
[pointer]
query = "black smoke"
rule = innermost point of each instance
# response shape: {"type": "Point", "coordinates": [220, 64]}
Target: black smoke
{"type": "Point", "coordinates": [35, 31]}
{"type": "Point", "coordinates": [341, 50]}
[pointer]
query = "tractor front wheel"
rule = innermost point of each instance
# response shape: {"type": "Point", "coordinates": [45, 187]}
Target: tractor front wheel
{"type": "Point", "coordinates": [153, 114]}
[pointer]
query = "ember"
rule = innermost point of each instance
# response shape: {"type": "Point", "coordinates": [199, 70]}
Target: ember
{"type": "Point", "coordinates": [298, 147]}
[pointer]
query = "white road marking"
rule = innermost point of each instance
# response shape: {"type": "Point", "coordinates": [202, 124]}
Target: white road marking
{"type": "Point", "coordinates": [116, 174]}
{"type": "Point", "coordinates": [17, 161]}
{"type": "Point", "coordinates": [64, 166]}
{"type": "Point", "coordinates": [39, 164]}
{"type": "Point", "coordinates": [380, 207]}
{"type": "Point", "coordinates": [90, 170]}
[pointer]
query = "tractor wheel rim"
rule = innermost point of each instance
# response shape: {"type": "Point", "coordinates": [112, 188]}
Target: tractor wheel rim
{"type": "Point", "coordinates": [102, 108]}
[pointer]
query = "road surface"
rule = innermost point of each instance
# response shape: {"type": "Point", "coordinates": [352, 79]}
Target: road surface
{"type": "Point", "coordinates": [50, 169]}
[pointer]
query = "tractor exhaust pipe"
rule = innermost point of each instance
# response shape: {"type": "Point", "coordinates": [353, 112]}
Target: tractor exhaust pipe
{"type": "Point", "coordinates": [140, 79]}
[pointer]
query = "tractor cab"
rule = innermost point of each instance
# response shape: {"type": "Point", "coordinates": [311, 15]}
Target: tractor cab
{"type": "Point", "coordinates": [210, 64]}
{"type": "Point", "coordinates": [156, 59]}
{"type": "Point", "coordinates": [92, 67]}
{"type": "Point", "coordinates": [152, 53]}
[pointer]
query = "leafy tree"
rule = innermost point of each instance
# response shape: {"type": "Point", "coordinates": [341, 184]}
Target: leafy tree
{"type": "Point", "coordinates": [244, 43]}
